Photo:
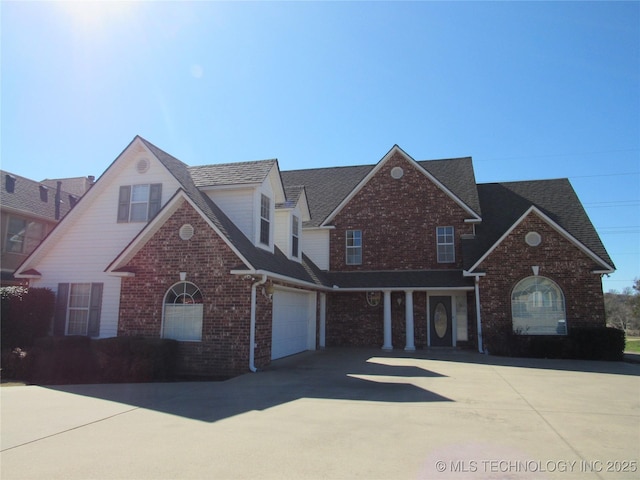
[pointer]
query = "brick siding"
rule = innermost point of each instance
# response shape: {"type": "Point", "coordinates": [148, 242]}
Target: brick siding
{"type": "Point", "coordinates": [207, 260]}
{"type": "Point", "coordinates": [398, 220]}
{"type": "Point", "coordinates": [559, 260]}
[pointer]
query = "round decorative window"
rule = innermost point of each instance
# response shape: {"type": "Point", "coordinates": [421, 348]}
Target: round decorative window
{"type": "Point", "coordinates": [186, 231]}
{"type": "Point", "coordinates": [533, 239]}
{"type": "Point", "coordinates": [397, 172]}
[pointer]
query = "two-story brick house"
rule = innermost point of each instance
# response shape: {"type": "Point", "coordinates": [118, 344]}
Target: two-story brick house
{"type": "Point", "coordinates": [243, 263]}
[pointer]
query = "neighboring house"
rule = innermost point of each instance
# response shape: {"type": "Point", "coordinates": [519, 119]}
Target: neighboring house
{"type": "Point", "coordinates": [28, 212]}
{"type": "Point", "coordinates": [243, 263]}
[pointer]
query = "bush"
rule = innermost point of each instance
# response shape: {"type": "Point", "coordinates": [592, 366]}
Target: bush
{"type": "Point", "coordinates": [26, 315]}
{"type": "Point", "coordinates": [78, 359]}
{"type": "Point", "coordinates": [136, 359]}
{"type": "Point", "coordinates": [586, 343]}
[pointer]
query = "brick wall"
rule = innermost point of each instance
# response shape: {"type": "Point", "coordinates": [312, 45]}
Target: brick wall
{"type": "Point", "coordinates": [398, 220]}
{"type": "Point", "coordinates": [224, 349]}
{"type": "Point", "coordinates": [558, 259]}
{"type": "Point", "coordinates": [351, 321]}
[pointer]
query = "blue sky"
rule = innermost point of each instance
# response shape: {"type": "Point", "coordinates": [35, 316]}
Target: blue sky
{"type": "Point", "coordinates": [529, 90]}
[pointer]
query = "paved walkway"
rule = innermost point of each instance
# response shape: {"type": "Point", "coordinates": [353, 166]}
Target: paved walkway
{"type": "Point", "coordinates": [338, 414]}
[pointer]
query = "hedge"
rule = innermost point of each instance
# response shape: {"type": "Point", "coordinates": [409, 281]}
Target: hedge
{"type": "Point", "coordinates": [26, 315]}
{"type": "Point", "coordinates": [78, 359]}
{"type": "Point", "coordinates": [586, 343]}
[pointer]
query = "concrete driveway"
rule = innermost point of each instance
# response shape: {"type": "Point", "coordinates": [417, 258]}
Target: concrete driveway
{"type": "Point", "coordinates": [339, 413]}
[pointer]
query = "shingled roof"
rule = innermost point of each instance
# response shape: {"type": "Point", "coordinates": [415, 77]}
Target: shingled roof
{"type": "Point", "coordinates": [326, 188]}
{"type": "Point", "coordinates": [240, 173]}
{"type": "Point", "coordinates": [259, 258]}
{"type": "Point", "coordinates": [28, 197]}
{"type": "Point", "coordinates": [504, 203]}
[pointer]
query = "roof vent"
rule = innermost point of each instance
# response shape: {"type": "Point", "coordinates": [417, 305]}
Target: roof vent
{"type": "Point", "coordinates": [397, 173]}
{"type": "Point", "coordinates": [143, 165]}
{"type": "Point", "coordinates": [533, 239]}
{"type": "Point", "coordinates": [186, 231]}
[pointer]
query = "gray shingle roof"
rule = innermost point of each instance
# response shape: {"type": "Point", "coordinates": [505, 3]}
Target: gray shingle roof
{"type": "Point", "coordinates": [259, 259]}
{"type": "Point", "coordinates": [458, 176]}
{"type": "Point", "coordinates": [504, 203]}
{"type": "Point", "coordinates": [326, 188]}
{"type": "Point", "coordinates": [231, 173]}
{"type": "Point", "coordinates": [26, 197]}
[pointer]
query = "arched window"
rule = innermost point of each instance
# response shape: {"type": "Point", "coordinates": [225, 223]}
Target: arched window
{"type": "Point", "coordinates": [537, 307]}
{"type": "Point", "coordinates": [183, 313]}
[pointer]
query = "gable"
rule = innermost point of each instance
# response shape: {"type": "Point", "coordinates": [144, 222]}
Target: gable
{"type": "Point", "coordinates": [505, 205]}
{"type": "Point", "coordinates": [520, 244]}
{"type": "Point", "coordinates": [91, 234]}
{"type": "Point", "coordinates": [118, 266]}
{"type": "Point", "coordinates": [397, 154]}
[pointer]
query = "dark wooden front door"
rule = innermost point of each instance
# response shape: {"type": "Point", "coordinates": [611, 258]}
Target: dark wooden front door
{"type": "Point", "coordinates": [441, 328]}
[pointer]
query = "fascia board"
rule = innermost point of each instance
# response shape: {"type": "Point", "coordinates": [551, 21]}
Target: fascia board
{"type": "Point", "coordinates": [276, 183]}
{"type": "Point", "coordinates": [152, 227]}
{"type": "Point", "coordinates": [374, 171]}
{"type": "Point", "coordinates": [552, 224]}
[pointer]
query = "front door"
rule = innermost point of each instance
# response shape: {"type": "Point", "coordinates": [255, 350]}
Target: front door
{"type": "Point", "coordinates": [441, 329]}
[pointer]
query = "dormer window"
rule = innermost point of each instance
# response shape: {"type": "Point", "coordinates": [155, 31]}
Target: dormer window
{"type": "Point", "coordinates": [139, 203]}
{"type": "Point", "coordinates": [265, 219]}
{"type": "Point", "coordinates": [295, 236]}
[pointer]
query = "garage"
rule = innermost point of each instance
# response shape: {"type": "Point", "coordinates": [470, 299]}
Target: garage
{"type": "Point", "coordinates": [293, 326]}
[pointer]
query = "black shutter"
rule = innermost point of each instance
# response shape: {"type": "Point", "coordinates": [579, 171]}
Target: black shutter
{"type": "Point", "coordinates": [155, 199]}
{"type": "Point", "coordinates": [123, 203]}
{"type": "Point", "coordinates": [60, 314]}
{"type": "Point", "coordinates": [95, 307]}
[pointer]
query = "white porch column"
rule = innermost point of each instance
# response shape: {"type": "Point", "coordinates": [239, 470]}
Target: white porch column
{"type": "Point", "coordinates": [323, 320]}
{"type": "Point", "coordinates": [387, 321]}
{"type": "Point", "coordinates": [410, 346]}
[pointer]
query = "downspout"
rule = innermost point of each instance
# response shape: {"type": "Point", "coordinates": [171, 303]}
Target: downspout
{"type": "Point", "coordinates": [252, 328]}
{"type": "Point", "coordinates": [478, 319]}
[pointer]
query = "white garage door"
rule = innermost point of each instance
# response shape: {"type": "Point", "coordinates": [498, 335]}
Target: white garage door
{"type": "Point", "coordinates": [293, 323]}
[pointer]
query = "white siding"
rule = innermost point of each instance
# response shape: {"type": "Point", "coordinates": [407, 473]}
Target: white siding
{"type": "Point", "coordinates": [316, 246]}
{"type": "Point", "coordinates": [238, 205]}
{"type": "Point", "coordinates": [93, 237]}
{"type": "Point", "coordinates": [284, 229]}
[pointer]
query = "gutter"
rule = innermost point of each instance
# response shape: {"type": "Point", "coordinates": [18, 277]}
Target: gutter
{"type": "Point", "coordinates": [252, 328]}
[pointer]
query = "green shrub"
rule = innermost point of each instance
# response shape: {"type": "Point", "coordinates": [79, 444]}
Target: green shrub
{"type": "Point", "coordinates": [136, 359]}
{"type": "Point", "coordinates": [587, 343]}
{"type": "Point", "coordinates": [26, 315]}
{"type": "Point", "coordinates": [78, 359]}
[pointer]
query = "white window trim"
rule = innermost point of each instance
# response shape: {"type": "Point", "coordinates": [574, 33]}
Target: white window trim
{"type": "Point", "coordinates": [446, 244]}
{"type": "Point", "coordinates": [351, 248]}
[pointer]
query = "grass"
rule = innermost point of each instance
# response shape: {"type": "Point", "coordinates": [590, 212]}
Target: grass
{"type": "Point", "coordinates": [633, 345]}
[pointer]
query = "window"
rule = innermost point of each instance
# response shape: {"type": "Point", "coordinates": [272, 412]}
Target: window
{"type": "Point", "coordinates": [78, 308]}
{"type": "Point", "coordinates": [295, 236]}
{"type": "Point", "coordinates": [23, 236]}
{"type": "Point", "coordinates": [537, 307]}
{"type": "Point", "coordinates": [446, 247]}
{"type": "Point", "coordinates": [354, 247]}
{"type": "Point", "coordinates": [139, 203]}
{"type": "Point", "coordinates": [265, 219]}
{"type": "Point", "coordinates": [183, 311]}
{"type": "Point", "coordinates": [79, 295]}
